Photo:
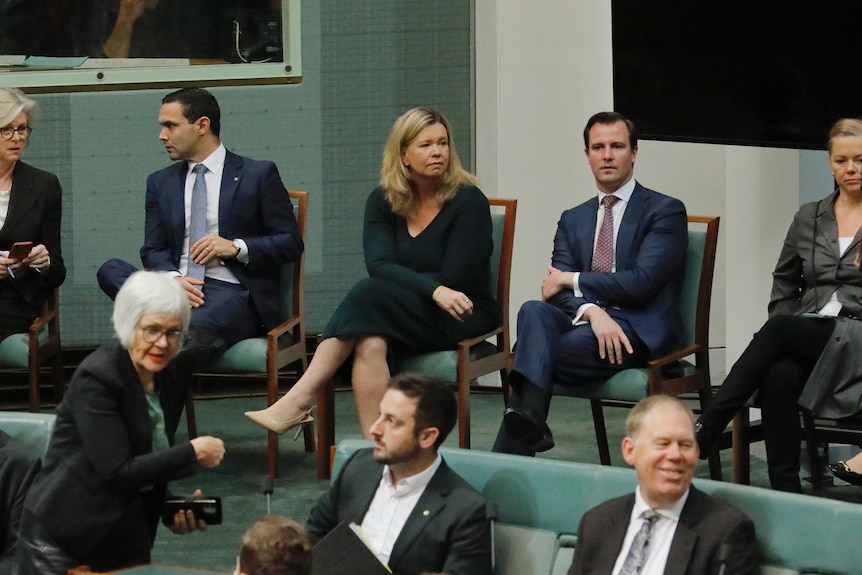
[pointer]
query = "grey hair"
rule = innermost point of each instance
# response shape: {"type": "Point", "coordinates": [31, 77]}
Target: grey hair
{"type": "Point", "coordinates": [13, 102]}
{"type": "Point", "coordinates": [146, 293]}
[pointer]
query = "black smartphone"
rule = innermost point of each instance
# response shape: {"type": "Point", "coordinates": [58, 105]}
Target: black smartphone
{"type": "Point", "coordinates": [206, 508]}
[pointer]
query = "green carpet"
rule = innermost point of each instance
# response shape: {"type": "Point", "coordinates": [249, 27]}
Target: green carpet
{"type": "Point", "coordinates": [238, 480]}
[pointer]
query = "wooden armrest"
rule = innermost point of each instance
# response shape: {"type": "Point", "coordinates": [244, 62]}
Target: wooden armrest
{"type": "Point", "coordinates": [473, 341]}
{"type": "Point", "coordinates": [674, 356]}
{"type": "Point", "coordinates": [42, 320]}
{"type": "Point", "coordinates": [284, 327]}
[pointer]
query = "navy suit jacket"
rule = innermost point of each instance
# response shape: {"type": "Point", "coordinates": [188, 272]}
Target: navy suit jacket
{"type": "Point", "coordinates": [447, 532]}
{"type": "Point", "coordinates": [650, 265]}
{"type": "Point", "coordinates": [253, 206]}
{"type": "Point", "coordinates": [706, 525]}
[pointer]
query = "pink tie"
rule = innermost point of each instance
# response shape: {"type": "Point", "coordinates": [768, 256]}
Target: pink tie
{"type": "Point", "coordinates": [603, 256]}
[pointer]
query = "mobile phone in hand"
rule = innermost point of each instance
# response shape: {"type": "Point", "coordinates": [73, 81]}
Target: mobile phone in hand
{"type": "Point", "coordinates": [206, 508]}
{"type": "Point", "coordinates": [20, 250]}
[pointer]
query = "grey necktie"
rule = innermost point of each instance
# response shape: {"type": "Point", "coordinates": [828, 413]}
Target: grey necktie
{"type": "Point", "coordinates": [640, 545]}
{"type": "Point", "coordinates": [198, 220]}
{"type": "Point", "coordinates": [603, 256]}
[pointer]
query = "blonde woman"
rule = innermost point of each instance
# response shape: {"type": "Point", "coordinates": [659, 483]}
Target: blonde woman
{"type": "Point", "coordinates": [427, 243]}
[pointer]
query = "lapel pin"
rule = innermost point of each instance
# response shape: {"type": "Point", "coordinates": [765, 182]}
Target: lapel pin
{"type": "Point", "coordinates": [426, 513]}
{"type": "Point", "coordinates": [236, 178]}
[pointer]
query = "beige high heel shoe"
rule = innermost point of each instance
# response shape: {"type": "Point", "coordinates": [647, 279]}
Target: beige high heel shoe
{"type": "Point", "coordinates": [263, 419]}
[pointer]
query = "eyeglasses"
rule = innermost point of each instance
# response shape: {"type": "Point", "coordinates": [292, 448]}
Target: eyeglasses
{"type": "Point", "coordinates": [23, 132]}
{"type": "Point", "coordinates": [152, 334]}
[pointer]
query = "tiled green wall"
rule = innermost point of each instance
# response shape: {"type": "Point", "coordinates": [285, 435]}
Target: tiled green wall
{"type": "Point", "coordinates": [364, 63]}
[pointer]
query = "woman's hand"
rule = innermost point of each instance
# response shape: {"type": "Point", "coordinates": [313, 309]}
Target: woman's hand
{"type": "Point", "coordinates": [38, 258]}
{"type": "Point", "coordinates": [209, 450]}
{"type": "Point", "coordinates": [184, 521]}
{"type": "Point", "coordinates": [7, 264]}
{"type": "Point", "coordinates": [455, 303]}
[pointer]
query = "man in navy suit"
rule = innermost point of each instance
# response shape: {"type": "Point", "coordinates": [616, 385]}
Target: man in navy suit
{"type": "Point", "coordinates": [609, 301]}
{"type": "Point", "coordinates": [250, 226]}
{"type": "Point", "coordinates": [689, 531]}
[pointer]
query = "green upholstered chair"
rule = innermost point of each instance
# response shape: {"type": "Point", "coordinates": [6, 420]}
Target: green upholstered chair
{"type": "Point", "coordinates": [473, 357]}
{"type": "Point", "coordinates": [671, 374]}
{"type": "Point", "coordinates": [28, 351]}
{"type": "Point", "coordinates": [284, 345]}
{"type": "Point", "coordinates": [32, 429]}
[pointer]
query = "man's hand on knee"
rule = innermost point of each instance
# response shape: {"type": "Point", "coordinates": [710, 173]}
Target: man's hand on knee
{"type": "Point", "coordinates": [611, 338]}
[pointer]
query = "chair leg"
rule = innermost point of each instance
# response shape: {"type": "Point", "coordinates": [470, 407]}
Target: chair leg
{"type": "Point", "coordinates": [741, 443]}
{"type": "Point", "coordinates": [601, 432]}
{"type": "Point", "coordinates": [35, 402]}
{"type": "Point", "coordinates": [272, 454]}
{"type": "Point", "coordinates": [325, 428]}
{"type": "Point", "coordinates": [191, 420]}
{"type": "Point", "coordinates": [463, 414]}
{"type": "Point", "coordinates": [59, 379]}
{"type": "Point", "coordinates": [814, 464]}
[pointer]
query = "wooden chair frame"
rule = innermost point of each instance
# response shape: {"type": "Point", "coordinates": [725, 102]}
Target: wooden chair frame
{"type": "Point", "coordinates": [45, 348]}
{"type": "Point", "coordinates": [281, 351]}
{"type": "Point", "coordinates": [468, 369]}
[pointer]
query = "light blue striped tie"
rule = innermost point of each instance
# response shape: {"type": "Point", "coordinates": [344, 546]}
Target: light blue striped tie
{"type": "Point", "coordinates": [640, 545]}
{"type": "Point", "coordinates": [198, 220]}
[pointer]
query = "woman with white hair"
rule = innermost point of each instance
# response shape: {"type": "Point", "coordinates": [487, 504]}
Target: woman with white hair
{"type": "Point", "coordinates": [99, 495]}
{"type": "Point", "coordinates": [30, 211]}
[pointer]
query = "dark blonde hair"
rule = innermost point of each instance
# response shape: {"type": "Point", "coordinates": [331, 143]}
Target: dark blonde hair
{"type": "Point", "coordinates": [636, 417]}
{"type": "Point", "coordinates": [275, 545]}
{"type": "Point", "coordinates": [844, 127]}
{"type": "Point", "coordinates": [396, 179]}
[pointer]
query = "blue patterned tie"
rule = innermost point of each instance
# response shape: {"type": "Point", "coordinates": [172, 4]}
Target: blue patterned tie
{"type": "Point", "coordinates": [640, 545]}
{"type": "Point", "coordinates": [198, 220]}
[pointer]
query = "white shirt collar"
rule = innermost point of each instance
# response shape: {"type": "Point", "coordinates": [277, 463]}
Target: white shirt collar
{"type": "Point", "coordinates": [671, 512]}
{"type": "Point", "coordinates": [214, 162]}
{"type": "Point", "coordinates": [414, 483]}
{"type": "Point", "coordinates": [624, 192]}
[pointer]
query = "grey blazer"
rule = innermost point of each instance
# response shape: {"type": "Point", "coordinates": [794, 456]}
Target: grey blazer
{"type": "Point", "coordinates": [808, 271]}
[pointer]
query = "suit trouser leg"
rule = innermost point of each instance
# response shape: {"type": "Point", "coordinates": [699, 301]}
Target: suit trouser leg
{"type": "Point", "coordinates": [113, 274]}
{"type": "Point", "coordinates": [550, 347]}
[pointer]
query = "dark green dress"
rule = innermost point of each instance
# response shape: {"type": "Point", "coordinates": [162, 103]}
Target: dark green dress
{"type": "Point", "coordinates": [454, 250]}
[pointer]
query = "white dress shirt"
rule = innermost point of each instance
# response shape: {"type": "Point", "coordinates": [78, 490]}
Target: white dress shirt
{"type": "Point", "coordinates": [660, 539]}
{"type": "Point", "coordinates": [624, 193]}
{"type": "Point", "coordinates": [391, 506]}
{"type": "Point", "coordinates": [4, 205]}
{"type": "Point", "coordinates": [833, 307]}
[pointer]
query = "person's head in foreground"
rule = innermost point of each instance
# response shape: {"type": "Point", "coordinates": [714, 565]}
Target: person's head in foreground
{"type": "Point", "coordinates": [660, 444]}
{"type": "Point", "coordinates": [274, 545]}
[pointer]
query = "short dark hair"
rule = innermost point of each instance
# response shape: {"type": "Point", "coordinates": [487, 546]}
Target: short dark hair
{"type": "Point", "coordinates": [275, 545]}
{"type": "Point", "coordinates": [197, 103]}
{"type": "Point", "coordinates": [611, 118]}
{"type": "Point", "coordinates": [436, 405]}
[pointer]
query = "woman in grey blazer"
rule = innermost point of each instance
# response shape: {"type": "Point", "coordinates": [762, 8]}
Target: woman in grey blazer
{"type": "Point", "coordinates": [99, 495]}
{"type": "Point", "coordinates": [803, 354]}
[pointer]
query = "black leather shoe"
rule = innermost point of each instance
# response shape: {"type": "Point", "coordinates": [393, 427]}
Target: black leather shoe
{"type": "Point", "coordinates": [526, 425]}
{"type": "Point", "coordinates": [200, 349]}
{"type": "Point", "coordinates": [841, 471]}
{"type": "Point", "coordinates": [705, 440]}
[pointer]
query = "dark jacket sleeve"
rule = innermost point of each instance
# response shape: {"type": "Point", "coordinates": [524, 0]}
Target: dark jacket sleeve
{"type": "Point", "coordinates": [18, 466]}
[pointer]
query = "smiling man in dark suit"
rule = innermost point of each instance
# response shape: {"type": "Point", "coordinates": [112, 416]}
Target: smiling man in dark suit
{"type": "Point", "coordinates": [609, 301]}
{"type": "Point", "coordinates": [230, 268]}
{"type": "Point", "coordinates": [418, 514]}
{"type": "Point", "coordinates": [667, 526]}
